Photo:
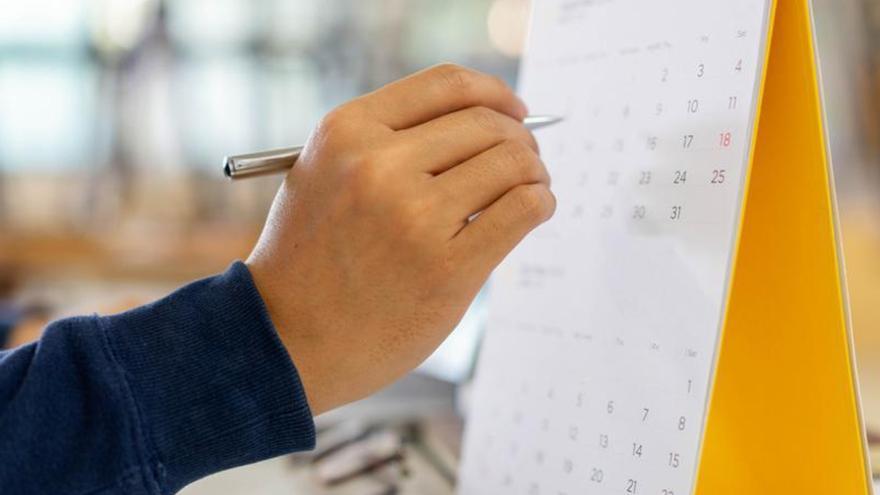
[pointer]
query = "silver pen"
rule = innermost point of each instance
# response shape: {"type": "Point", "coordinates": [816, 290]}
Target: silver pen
{"type": "Point", "coordinates": [280, 160]}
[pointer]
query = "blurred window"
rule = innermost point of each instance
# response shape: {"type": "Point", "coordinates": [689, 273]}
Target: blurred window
{"type": "Point", "coordinates": [47, 114]}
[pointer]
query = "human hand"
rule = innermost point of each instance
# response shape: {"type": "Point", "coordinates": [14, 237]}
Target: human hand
{"type": "Point", "coordinates": [372, 251]}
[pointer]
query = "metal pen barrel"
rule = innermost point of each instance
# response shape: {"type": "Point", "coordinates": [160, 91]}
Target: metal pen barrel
{"type": "Point", "coordinates": [281, 160]}
{"type": "Point", "coordinates": [261, 163]}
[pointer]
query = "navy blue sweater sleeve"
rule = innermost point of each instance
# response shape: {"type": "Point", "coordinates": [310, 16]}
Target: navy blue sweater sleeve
{"type": "Point", "coordinates": [147, 401]}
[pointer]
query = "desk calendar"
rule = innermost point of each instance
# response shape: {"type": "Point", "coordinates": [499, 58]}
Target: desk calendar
{"type": "Point", "coordinates": [680, 326]}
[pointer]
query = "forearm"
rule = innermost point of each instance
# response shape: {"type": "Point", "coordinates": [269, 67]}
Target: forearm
{"type": "Point", "coordinates": [152, 399]}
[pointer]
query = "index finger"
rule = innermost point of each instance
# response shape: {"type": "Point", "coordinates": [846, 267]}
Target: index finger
{"type": "Point", "coordinates": [437, 91]}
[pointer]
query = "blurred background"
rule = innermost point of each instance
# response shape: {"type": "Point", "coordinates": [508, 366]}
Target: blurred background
{"type": "Point", "coordinates": [115, 115]}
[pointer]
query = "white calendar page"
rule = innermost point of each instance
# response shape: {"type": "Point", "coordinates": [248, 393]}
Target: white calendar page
{"type": "Point", "coordinates": [604, 323]}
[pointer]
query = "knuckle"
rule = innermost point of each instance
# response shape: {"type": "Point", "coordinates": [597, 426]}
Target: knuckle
{"type": "Point", "coordinates": [332, 128]}
{"type": "Point", "coordinates": [549, 204]}
{"type": "Point", "coordinates": [501, 87]}
{"type": "Point", "coordinates": [335, 119]}
{"type": "Point", "coordinates": [370, 182]}
{"type": "Point", "coordinates": [487, 120]}
{"type": "Point", "coordinates": [500, 83]}
{"type": "Point", "coordinates": [536, 202]}
{"type": "Point", "coordinates": [530, 201]}
{"type": "Point", "coordinates": [365, 176]}
{"type": "Point", "coordinates": [522, 158]}
{"type": "Point", "coordinates": [517, 130]}
{"type": "Point", "coordinates": [454, 76]}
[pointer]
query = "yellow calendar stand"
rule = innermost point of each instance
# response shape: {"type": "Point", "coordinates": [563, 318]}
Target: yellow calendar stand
{"type": "Point", "coordinates": [784, 414]}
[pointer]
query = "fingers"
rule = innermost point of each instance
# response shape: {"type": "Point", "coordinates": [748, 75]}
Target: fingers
{"type": "Point", "coordinates": [437, 91]}
{"type": "Point", "coordinates": [477, 183]}
{"type": "Point", "coordinates": [444, 142]}
{"type": "Point", "coordinates": [491, 236]}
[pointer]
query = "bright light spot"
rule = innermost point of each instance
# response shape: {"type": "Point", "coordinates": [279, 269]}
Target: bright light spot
{"type": "Point", "coordinates": [213, 25]}
{"type": "Point", "coordinates": [117, 25]}
{"type": "Point", "coordinates": [40, 22]}
{"type": "Point", "coordinates": [508, 24]}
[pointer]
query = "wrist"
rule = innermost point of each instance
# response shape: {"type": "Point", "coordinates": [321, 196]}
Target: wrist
{"type": "Point", "coordinates": [297, 333]}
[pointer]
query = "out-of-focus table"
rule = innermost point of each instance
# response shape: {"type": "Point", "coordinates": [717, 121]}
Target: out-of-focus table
{"type": "Point", "coordinates": [282, 476]}
{"type": "Point", "coordinates": [430, 457]}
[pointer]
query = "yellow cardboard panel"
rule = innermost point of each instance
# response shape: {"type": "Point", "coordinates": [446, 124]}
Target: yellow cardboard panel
{"type": "Point", "coordinates": [784, 415]}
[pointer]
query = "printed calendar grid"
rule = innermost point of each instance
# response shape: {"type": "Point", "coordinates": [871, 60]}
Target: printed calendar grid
{"type": "Point", "coordinates": [636, 168]}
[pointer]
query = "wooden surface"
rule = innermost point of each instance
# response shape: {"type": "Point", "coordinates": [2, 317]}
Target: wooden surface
{"type": "Point", "coordinates": [144, 255]}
